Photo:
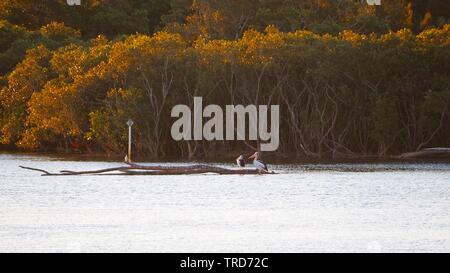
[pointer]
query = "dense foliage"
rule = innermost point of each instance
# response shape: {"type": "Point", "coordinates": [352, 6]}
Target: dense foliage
{"type": "Point", "coordinates": [350, 79]}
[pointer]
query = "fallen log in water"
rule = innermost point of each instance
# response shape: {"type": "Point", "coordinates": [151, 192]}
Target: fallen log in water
{"type": "Point", "coordinates": [135, 169]}
{"type": "Point", "coordinates": [427, 153]}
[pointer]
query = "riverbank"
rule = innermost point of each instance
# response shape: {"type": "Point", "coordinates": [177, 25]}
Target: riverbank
{"type": "Point", "coordinates": [271, 158]}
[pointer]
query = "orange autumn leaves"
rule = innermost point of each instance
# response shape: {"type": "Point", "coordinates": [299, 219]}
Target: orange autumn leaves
{"type": "Point", "coordinates": [85, 92]}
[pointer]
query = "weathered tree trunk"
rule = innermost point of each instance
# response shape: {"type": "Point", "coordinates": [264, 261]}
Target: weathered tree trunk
{"type": "Point", "coordinates": [134, 169]}
{"type": "Point", "coordinates": [427, 153]}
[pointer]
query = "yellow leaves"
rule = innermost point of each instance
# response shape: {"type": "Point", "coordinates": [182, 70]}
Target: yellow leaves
{"type": "Point", "coordinates": [31, 139]}
{"type": "Point", "coordinates": [143, 53]}
{"type": "Point", "coordinates": [205, 20]}
{"type": "Point", "coordinates": [352, 37]}
{"type": "Point", "coordinates": [28, 77]}
{"type": "Point", "coordinates": [217, 16]}
{"type": "Point", "coordinates": [254, 48]}
{"type": "Point", "coordinates": [120, 59]}
{"type": "Point", "coordinates": [101, 71]}
{"type": "Point", "coordinates": [261, 48]}
{"type": "Point", "coordinates": [56, 109]}
{"type": "Point", "coordinates": [73, 61]}
{"type": "Point", "coordinates": [324, 4]}
{"type": "Point", "coordinates": [4, 24]}
{"type": "Point", "coordinates": [169, 43]}
{"type": "Point", "coordinates": [68, 61]}
{"type": "Point", "coordinates": [302, 35]}
{"type": "Point", "coordinates": [271, 29]}
{"type": "Point", "coordinates": [435, 36]}
{"type": "Point", "coordinates": [100, 47]}
{"type": "Point", "coordinates": [120, 92]}
{"type": "Point", "coordinates": [117, 77]}
{"type": "Point", "coordinates": [401, 36]}
{"type": "Point", "coordinates": [8, 27]}
{"type": "Point", "coordinates": [22, 83]}
{"type": "Point", "coordinates": [40, 52]}
{"type": "Point", "coordinates": [99, 40]}
{"type": "Point", "coordinates": [11, 126]}
{"type": "Point", "coordinates": [405, 34]}
{"type": "Point", "coordinates": [158, 43]}
{"type": "Point", "coordinates": [216, 51]}
{"type": "Point", "coordinates": [58, 30]}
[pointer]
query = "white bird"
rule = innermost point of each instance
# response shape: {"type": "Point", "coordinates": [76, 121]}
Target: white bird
{"type": "Point", "coordinates": [240, 161]}
{"type": "Point", "coordinates": [259, 164]}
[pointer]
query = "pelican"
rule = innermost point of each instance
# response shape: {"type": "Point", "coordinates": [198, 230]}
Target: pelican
{"type": "Point", "coordinates": [259, 164]}
{"type": "Point", "coordinates": [240, 161]}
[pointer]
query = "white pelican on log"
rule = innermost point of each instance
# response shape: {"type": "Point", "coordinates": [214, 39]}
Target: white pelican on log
{"type": "Point", "coordinates": [240, 161]}
{"type": "Point", "coordinates": [259, 164]}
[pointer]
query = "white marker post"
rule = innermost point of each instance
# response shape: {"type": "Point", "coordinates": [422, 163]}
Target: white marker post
{"type": "Point", "coordinates": [129, 123]}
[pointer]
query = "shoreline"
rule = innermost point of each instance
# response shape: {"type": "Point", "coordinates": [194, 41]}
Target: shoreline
{"type": "Point", "coordinates": [273, 159]}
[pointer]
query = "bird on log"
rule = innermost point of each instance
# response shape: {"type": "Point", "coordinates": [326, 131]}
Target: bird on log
{"type": "Point", "coordinates": [258, 163]}
{"type": "Point", "coordinates": [240, 161]}
{"type": "Point", "coordinates": [137, 169]}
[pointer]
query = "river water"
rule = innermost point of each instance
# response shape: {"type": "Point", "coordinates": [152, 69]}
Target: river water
{"type": "Point", "coordinates": [387, 207]}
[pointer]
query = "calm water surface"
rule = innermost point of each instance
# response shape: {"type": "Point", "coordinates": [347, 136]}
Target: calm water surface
{"type": "Point", "coordinates": [306, 208]}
